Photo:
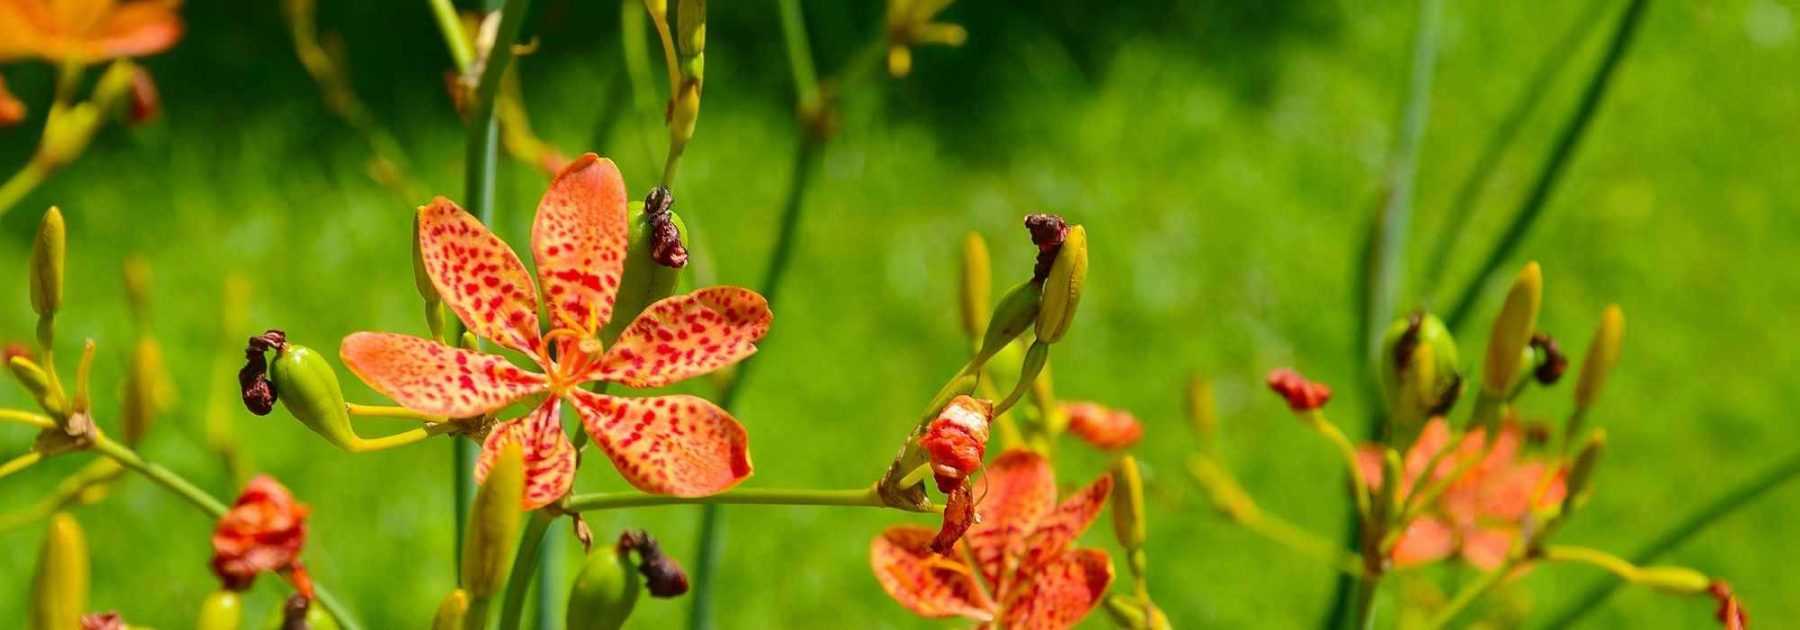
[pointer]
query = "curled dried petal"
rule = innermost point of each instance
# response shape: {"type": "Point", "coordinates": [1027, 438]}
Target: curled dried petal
{"type": "Point", "coordinates": [1301, 394]}
{"type": "Point", "coordinates": [959, 515]}
{"type": "Point", "coordinates": [957, 440]}
{"type": "Point", "coordinates": [263, 531]}
{"type": "Point", "coordinates": [662, 574]}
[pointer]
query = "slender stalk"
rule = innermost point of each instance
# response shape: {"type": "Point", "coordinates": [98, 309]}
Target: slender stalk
{"type": "Point", "coordinates": [1359, 487]}
{"type": "Point", "coordinates": [1739, 496]}
{"type": "Point", "coordinates": [1472, 592]}
{"type": "Point", "coordinates": [393, 412]}
{"type": "Point", "coordinates": [1293, 537]}
{"type": "Point", "coordinates": [859, 497]}
{"type": "Point", "coordinates": [1554, 164]}
{"type": "Point", "coordinates": [23, 461]}
{"type": "Point", "coordinates": [799, 54]}
{"type": "Point", "coordinates": [22, 183]}
{"type": "Point", "coordinates": [454, 38]}
{"type": "Point", "coordinates": [25, 417]}
{"type": "Point", "coordinates": [525, 565]}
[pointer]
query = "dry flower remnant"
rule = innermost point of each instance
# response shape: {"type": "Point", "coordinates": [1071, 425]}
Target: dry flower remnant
{"type": "Point", "coordinates": [262, 533]}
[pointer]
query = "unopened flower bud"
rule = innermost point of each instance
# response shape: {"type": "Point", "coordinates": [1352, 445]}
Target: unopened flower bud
{"type": "Point", "coordinates": [1128, 504]}
{"type": "Point", "coordinates": [1512, 330]}
{"type": "Point", "coordinates": [493, 529]}
{"type": "Point", "coordinates": [59, 591]}
{"type": "Point", "coordinates": [1017, 310]}
{"type": "Point", "coordinates": [690, 36]}
{"type": "Point", "coordinates": [604, 592]}
{"type": "Point", "coordinates": [957, 439]}
{"type": "Point", "coordinates": [1300, 394]}
{"type": "Point", "coordinates": [455, 607]}
{"type": "Point", "coordinates": [1202, 411]}
{"type": "Point", "coordinates": [144, 390]}
{"type": "Point", "coordinates": [1602, 355]}
{"type": "Point", "coordinates": [1550, 362]}
{"type": "Point", "coordinates": [146, 105]}
{"type": "Point", "coordinates": [977, 284]}
{"type": "Point", "coordinates": [1418, 372]}
{"type": "Point", "coordinates": [221, 610]}
{"type": "Point", "coordinates": [48, 251]}
{"type": "Point", "coordinates": [33, 378]}
{"type": "Point", "coordinates": [1581, 474]}
{"type": "Point", "coordinates": [663, 576]}
{"type": "Point", "coordinates": [1062, 288]}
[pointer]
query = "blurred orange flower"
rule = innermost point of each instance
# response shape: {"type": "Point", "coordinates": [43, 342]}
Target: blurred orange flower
{"type": "Point", "coordinates": [1104, 427]}
{"type": "Point", "coordinates": [86, 31]}
{"type": "Point", "coordinates": [263, 531]}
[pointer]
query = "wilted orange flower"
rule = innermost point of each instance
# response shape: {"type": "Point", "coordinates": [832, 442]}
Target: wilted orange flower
{"type": "Point", "coordinates": [1479, 514]}
{"type": "Point", "coordinates": [679, 445]}
{"type": "Point", "coordinates": [1301, 394]}
{"type": "Point", "coordinates": [957, 440]}
{"type": "Point", "coordinates": [263, 531]}
{"type": "Point", "coordinates": [1103, 427]}
{"type": "Point", "coordinates": [1015, 566]}
{"type": "Point", "coordinates": [86, 31]}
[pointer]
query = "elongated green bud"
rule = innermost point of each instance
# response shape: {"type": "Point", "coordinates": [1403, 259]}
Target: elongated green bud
{"type": "Point", "coordinates": [33, 378]}
{"type": "Point", "coordinates": [451, 612]}
{"type": "Point", "coordinates": [1512, 331]}
{"type": "Point", "coordinates": [977, 284]}
{"type": "Point", "coordinates": [604, 592]}
{"type": "Point", "coordinates": [307, 386]}
{"type": "Point", "coordinates": [690, 36]}
{"type": "Point", "coordinates": [1203, 413]}
{"type": "Point", "coordinates": [1128, 504]}
{"type": "Point", "coordinates": [1581, 474]}
{"type": "Point", "coordinates": [649, 277]}
{"type": "Point", "coordinates": [1017, 310]}
{"type": "Point", "coordinates": [144, 390]}
{"type": "Point", "coordinates": [48, 252]}
{"type": "Point", "coordinates": [1418, 373]}
{"type": "Point", "coordinates": [493, 529]}
{"type": "Point", "coordinates": [59, 591]}
{"type": "Point", "coordinates": [222, 610]}
{"type": "Point", "coordinates": [1602, 355]}
{"type": "Point", "coordinates": [1678, 580]}
{"type": "Point", "coordinates": [137, 288]}
{"type": "Point", "coordinates": [1062, 288]}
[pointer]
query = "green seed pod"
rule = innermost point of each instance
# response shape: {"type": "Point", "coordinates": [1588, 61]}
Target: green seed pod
{"type": "Point", "coordinates": [308, 387]}
{"type": "Point", "coordinates": [222, 610]}
{"type": "Point", "coordinates": [493, 529]}
{"type": "Point", "coordinates": [59, 591]}
{"type": "Point", "coordinates": [1062, 288]}
{"type": "Point", "coordinates": [1016, 312]}
{"type": "Point", "coordinates": [604, 592]}
{"type": "Point", "coordinates": [1602, 355]}
{"type": "Point", "coordinates": [645, 280]}
{"type": "Point", "coordinates": [37, 382]}
{"type": "Point", "coordinates": [144, 390]}
{"type": "Point", "coordinates": [690, 34]}
{"type": "Point", "coordinates": [1512, 332]}
{"type": "Point", "coordinates": [450, 614]}
{"type": "Point", "coordinates": [1128, 504]}
{"type": "Point", "coordinates": [48, 251]}
{"type": "Point", "coordinates": [1418, 373]}
{"type": "Point", "coordinates": [977, 284]}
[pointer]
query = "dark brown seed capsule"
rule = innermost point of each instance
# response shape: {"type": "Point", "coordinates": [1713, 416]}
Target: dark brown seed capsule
{"type": "Point", "coordinates": [258, 391]}
{"type": "Point", "coordinates": [1047, 232]}
{"type": "Point", "coordinates": [1553, 363]}
{"type": "Point", "coordinates": [662, 575]}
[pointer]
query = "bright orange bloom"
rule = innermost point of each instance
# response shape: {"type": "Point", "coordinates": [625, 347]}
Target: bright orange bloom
{"type": "Point", "coordinates": [1015, 566]}
{"type": "Point", "coordinates": [86, 31]}
{"type": "Point", "coordinates": [1479, 514]}
{"type": "Point", "coordinates": [263, 531]}
{"type": "Point", "coordinates": [1103, 427]}
{"type": "Point", "coordinates": [679, 445]}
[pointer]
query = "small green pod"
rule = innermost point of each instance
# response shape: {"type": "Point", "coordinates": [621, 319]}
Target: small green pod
{"type": "Point", "coordinates": [1017, 310]}
{"type": "Point", "coordinates": [221, 610]}
{"type": "Point", "coordinates": [644, 280]}
{"type": "Point", "coordinates": [1602, 355]}
{"type": "Point", "coordinates": [1512, 332]}
{"type": "Point", "coordinates": [1418, 373]}
{"type": "Point", "coordinates": [36, 381]}
{"type": "Point", "coordinates": [307, 386]}
{"type": "Point", "coordinates": [143, 395]}
{"type": "Point", "coordinates": [1062, 288]}
{"type": "Point", "coordinates": [977, 284]}
{"type": "Point", "coordinates": [451, 612]}
{"type": "Point", "coordinates": [59, 591]}
{"type": "Point", "coordinates": [48, 252]}
{"type": "Point", "coordinates": [493, 532]}
{"type": "Point", "coordinates": [604, 592]}
{"type": "Point", "coordinates": [1128, 504]}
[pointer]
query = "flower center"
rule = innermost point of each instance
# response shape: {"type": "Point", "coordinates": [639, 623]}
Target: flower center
{"type": "Point", "coordinates": [575, 355]}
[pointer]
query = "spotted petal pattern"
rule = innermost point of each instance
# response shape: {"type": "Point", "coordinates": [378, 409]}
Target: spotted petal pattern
{"type": "Point", "coordinates": [931, 585]}
{"type": "Point", "coordinates": [687, 335]}
{"type": "Point", "coordinates": [1020, 489]}
{"type": "Point", "coordinates": [549, 457]}
{"type": "Point", "coordinates": [1060, 593]}
{"type": "Point", "coordinates": [434, 378]}
{"type": "Point", "coordinates": [1056, 530]}
{"type": "Point", "coordinates": [579, 240]}
{"type": "Point", "coordinates": [677, 445]}
{"type": "Point", "coordinates": [479, 277]}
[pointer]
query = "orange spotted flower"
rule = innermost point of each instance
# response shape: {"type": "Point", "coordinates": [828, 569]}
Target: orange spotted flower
{"type": "Point", "coordinates": [1105, 428]}
{"type": "Point", "coordinates": [1015, 566]}
{"type": "Point", "coordinates": [679, 445]}
{"type": "Point", "coordinates": [86, 31]}
{"type": "Point", "coordinates": [1478, 516]}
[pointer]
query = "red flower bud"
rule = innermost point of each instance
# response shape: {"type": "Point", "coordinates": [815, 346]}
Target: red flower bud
{"type": "Point", "coordinates": [957, 439]}
{"type": "Point", "coordinates": [263, 531]}
{"type": "Point", "coordinates": [1301, 394]}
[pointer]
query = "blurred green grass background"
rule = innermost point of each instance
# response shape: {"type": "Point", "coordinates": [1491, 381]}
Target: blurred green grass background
{"type": "Point", "coordinates": [1224, 157]}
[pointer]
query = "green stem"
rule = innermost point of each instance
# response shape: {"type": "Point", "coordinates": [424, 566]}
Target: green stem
{"type": "Point", "coordinates": [525, 564]}
{"type": "Point", "coordinates": [451, 26]}
{"type": "Point", "coordinates": [1554, 164]}
{"type": "Point", "coordinates": [799, 54]}
{"type": "Point", "coordinates": [1733, 500]}
{"type": "Point", "coordinates": [1362, 601]}
{"type": "Point", "coordinates": [1472, 592]}
{"type": "Point", "coordinates": [22, 183]}
{"type": "Point", "coordinates": [859, 497]}
{"type": "Point", "coordinates": [25, 417]}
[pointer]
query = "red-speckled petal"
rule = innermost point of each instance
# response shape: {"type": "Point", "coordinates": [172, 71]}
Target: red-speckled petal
{"type": "Point", "coordinates": [1057, 529]}
{"type": "Point", "coordinates": [926, 583]}
{"type": "Point", "coordinates": [1061, 592]}
{"type": "Point", "coordinates": [579, 240]}
{"type": "Point", "coordinates": [135, 29]}
{"type": "Point", "coordinates": [679, 445]}
{"type": "Point", "coordinates": [687, 335]}
{"type": "Point", "coordinates": [549, 457]}
{"type": "Point", "coordinates": [434, 378]}
{"type": "Point", "coordinates": [1103, 427]}
{"type": "Point", "coordinates": [479, 277]}
{"type": "Point", "coordinates": [1020, 488]}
